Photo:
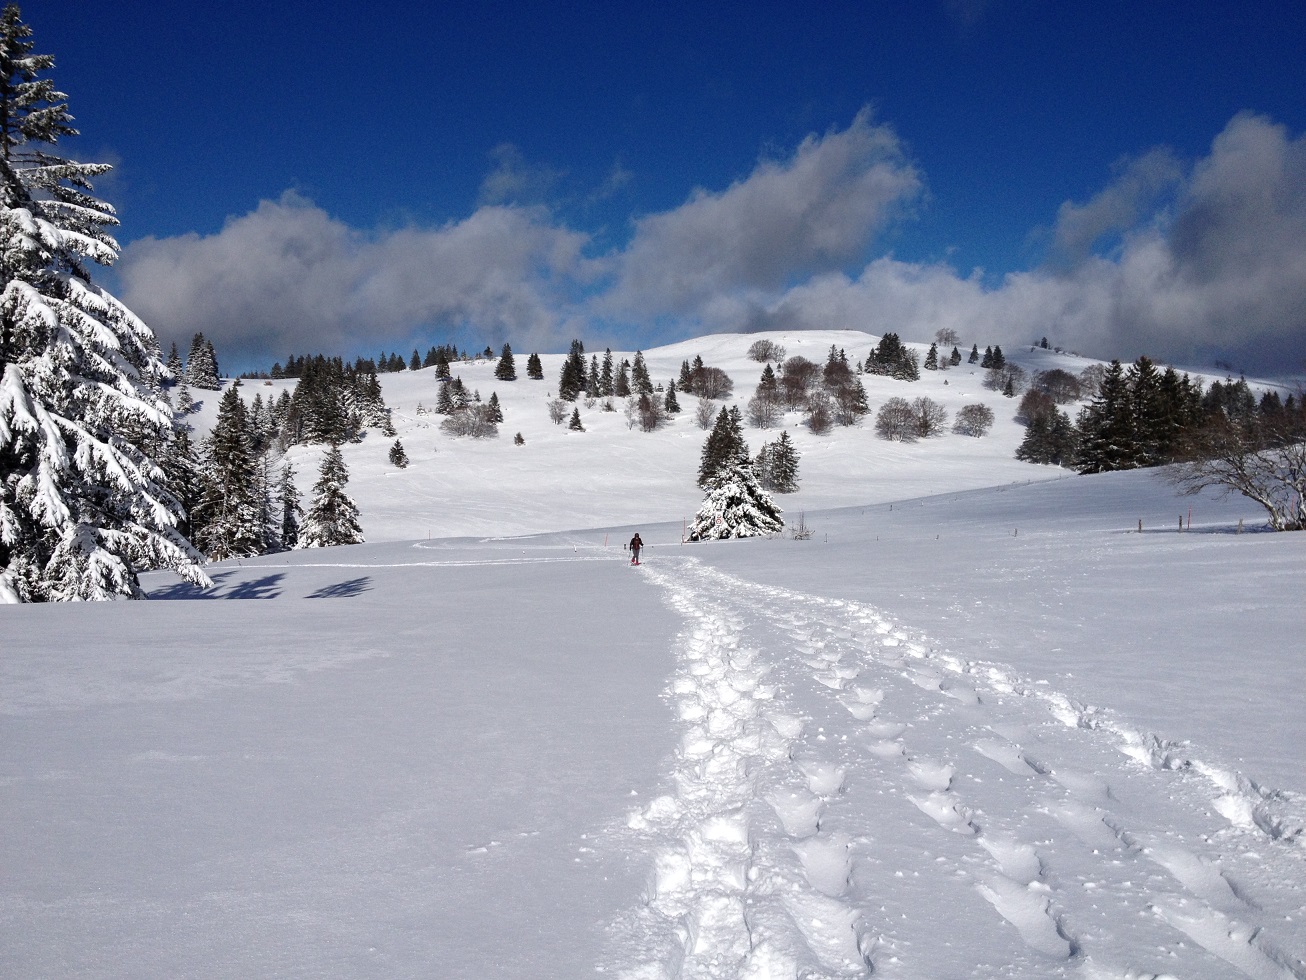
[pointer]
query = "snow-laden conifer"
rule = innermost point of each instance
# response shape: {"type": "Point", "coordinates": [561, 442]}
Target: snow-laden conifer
{"type": "Point", "coordinates": [229, 521]}
{"type": "Point", "coordinates": [333, 517]}
{"type": "Point", "coordinates": [291, 511]}
{"type": "Point", "coordinates": [84, 504]}
{"type": "Point", "coordinates": [736, 506]}
{"type": "Point", "coordinates": [202, 364]}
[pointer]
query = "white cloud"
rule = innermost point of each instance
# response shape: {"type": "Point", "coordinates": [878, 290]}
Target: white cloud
{"type": "Point", "coordinates": [811, 213]}
{"type": "Point", "coordinates": [288, 277]}
{"type": "Point", "coordinates": [1221, 275]}
{"type": "Point", "coordinates": [515, 181]}
{"type": "Point", "coordinates": [1201, 262]}
{"type": "Point", "coordinates": [1116, 208]}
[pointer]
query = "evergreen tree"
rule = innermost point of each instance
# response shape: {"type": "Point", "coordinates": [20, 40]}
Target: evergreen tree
{"type": "Point", "coordinates": [185, 477]}
{"type": "Point", "coordinates": [640, 382]}
{"type": "Point", "coordinates": [974, 354]}
{"type": "Point", "coordinates": [987, 360]}
{"type": "Point", "coordinates": [593, 384]}
{"type": "Point", "coordinates": [621, 387]}
{"type": "Point", "coordinates": [291, 511]}
{"type": "Point", "coordinates": [736, 506]}
{"type": "Point", "coordinates": [670, 403]}
{"type": "Point", "coordinates": [442, 372]}
{"type": "Point", "coordinates": [174, 364]}
{"type": "Point", "coordinates": [506, 369]}
{"type": "Point", "coordinates": [534, 369]}
{"type": "Point", "coordinates": [84, 422]}
{"type": "Point", "coordinates": [495, 410]}
{"type": "Point", "coordinates": [202, 364]}
{"type": "Point", "coordinates": [229, 517]}
{"type": "Point", "coordinates": [571, 380]}
{"type": "Point", "coordinates": [444, 400]}
{"type": "Point", "coordinates": [724, 446]}
{"type": "Point", "coordinates": [955, 357]}
{"type": "Point", "coordinates": [999, 360]}
{"type": "Point", "coordinates": [333, 517]}
{"type": "Point", "coordinates": [415, 362]}
{"type": "Point", "coordinates": [606, 379]}
{"type": "Point", "coordinates": [685, 380]}
{"type": "Point", "coordinates": [932, 358]}
{"type": "Point", "coordinates": [1108, 440]}
{"type": "Point", "coordinates": [1050, 438]}
{"type": "Point", "coordinates": [575, 423]}
{"type": "Point", "coordinates": [780, 474]}
{"type": "Point", "coordinates": [398, 457]}
{"type": "Point", "coordinates": [892, 358]}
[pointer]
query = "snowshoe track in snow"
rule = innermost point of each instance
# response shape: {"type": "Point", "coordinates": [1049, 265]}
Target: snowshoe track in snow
{"type": "Point", "coordinates": [833, 767]}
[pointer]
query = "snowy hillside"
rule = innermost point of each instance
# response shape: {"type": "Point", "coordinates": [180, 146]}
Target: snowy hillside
{"type": "Point", "coordinates": [615, 474]}
{"type": "Point", "coordinates": [977, 726]}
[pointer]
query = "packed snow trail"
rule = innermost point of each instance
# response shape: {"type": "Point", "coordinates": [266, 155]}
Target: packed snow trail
{"type": "Point", "coordinates": [847, 800]}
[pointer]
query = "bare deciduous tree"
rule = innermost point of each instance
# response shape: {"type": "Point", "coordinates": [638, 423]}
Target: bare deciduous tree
{"type": "Point", "coordinates": [973, 420]}
{"type": "Point", "coordinates": [1267, 467]}
{"type": "Point", "coordinates": [766, 350]}
{"type": "Point", "coordinates": [764, 410]}
{"type": "Point", "coordinates": [896, 421]}
{"type": "Point", "coordinates": [931, 417]}
{"type": "Point", "coordinates": [712, 382]}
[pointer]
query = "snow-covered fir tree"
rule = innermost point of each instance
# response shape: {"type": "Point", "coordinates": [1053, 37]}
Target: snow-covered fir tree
{"type": "Point", "coordinates": [777, 465]}
{"type": "Point", "coordinates": [202, 365]}
{"type": "Point", "coordinates": [291, 511]}
{"type": "Point", "coordinates": [333, 517]}
{"type": "Point", "coordinates": [175, 367]}
{"type": "Point", "coordinates": [736, 506]}
{"type": "Point", "coordinates": [84, 504]}
{"type": "Point", "coordinates": [724, 447]}
{"type": "Point", "coordinates": [534, 368]}
{"type": "Point", "coordinates": [575, 424]}
{"type": "Point", "coordinates": [185, 475]}
{"type": "Point", "coordinates": [229, 521]}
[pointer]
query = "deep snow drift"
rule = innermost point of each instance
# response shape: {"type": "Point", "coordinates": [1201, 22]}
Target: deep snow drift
{"type": "Point", "coordinates": [980, 732]}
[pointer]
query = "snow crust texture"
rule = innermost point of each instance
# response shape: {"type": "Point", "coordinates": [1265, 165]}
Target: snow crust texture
{"type": "Point", "coordinates": [848, 800]}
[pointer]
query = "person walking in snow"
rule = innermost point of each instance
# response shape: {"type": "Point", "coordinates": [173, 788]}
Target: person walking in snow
{"type": "Point", "coordinates": [635, 544]}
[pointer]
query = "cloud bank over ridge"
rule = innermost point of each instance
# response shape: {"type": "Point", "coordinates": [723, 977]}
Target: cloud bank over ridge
{"type": "Point", "coordinates": [1185, 262]}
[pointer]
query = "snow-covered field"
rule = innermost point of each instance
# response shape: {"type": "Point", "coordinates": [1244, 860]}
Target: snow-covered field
{"type": "Point", "coordinates": [975, 726]}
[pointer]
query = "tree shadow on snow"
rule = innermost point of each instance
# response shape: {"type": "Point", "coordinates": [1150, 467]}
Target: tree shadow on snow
{"type": "Point", "coordinates": [1259, 527]}
{"type": "Point", "coordinates": [343, 590]}
{"type": "Point", "coordinates": [259, 588]}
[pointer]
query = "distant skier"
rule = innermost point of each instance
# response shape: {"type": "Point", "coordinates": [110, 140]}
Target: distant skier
{"type": "Point", "coordinates": [635, 544]}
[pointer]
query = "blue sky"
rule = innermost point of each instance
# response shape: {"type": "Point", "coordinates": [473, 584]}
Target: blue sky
{"type": "Point", "coordinates": [303, 176]}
